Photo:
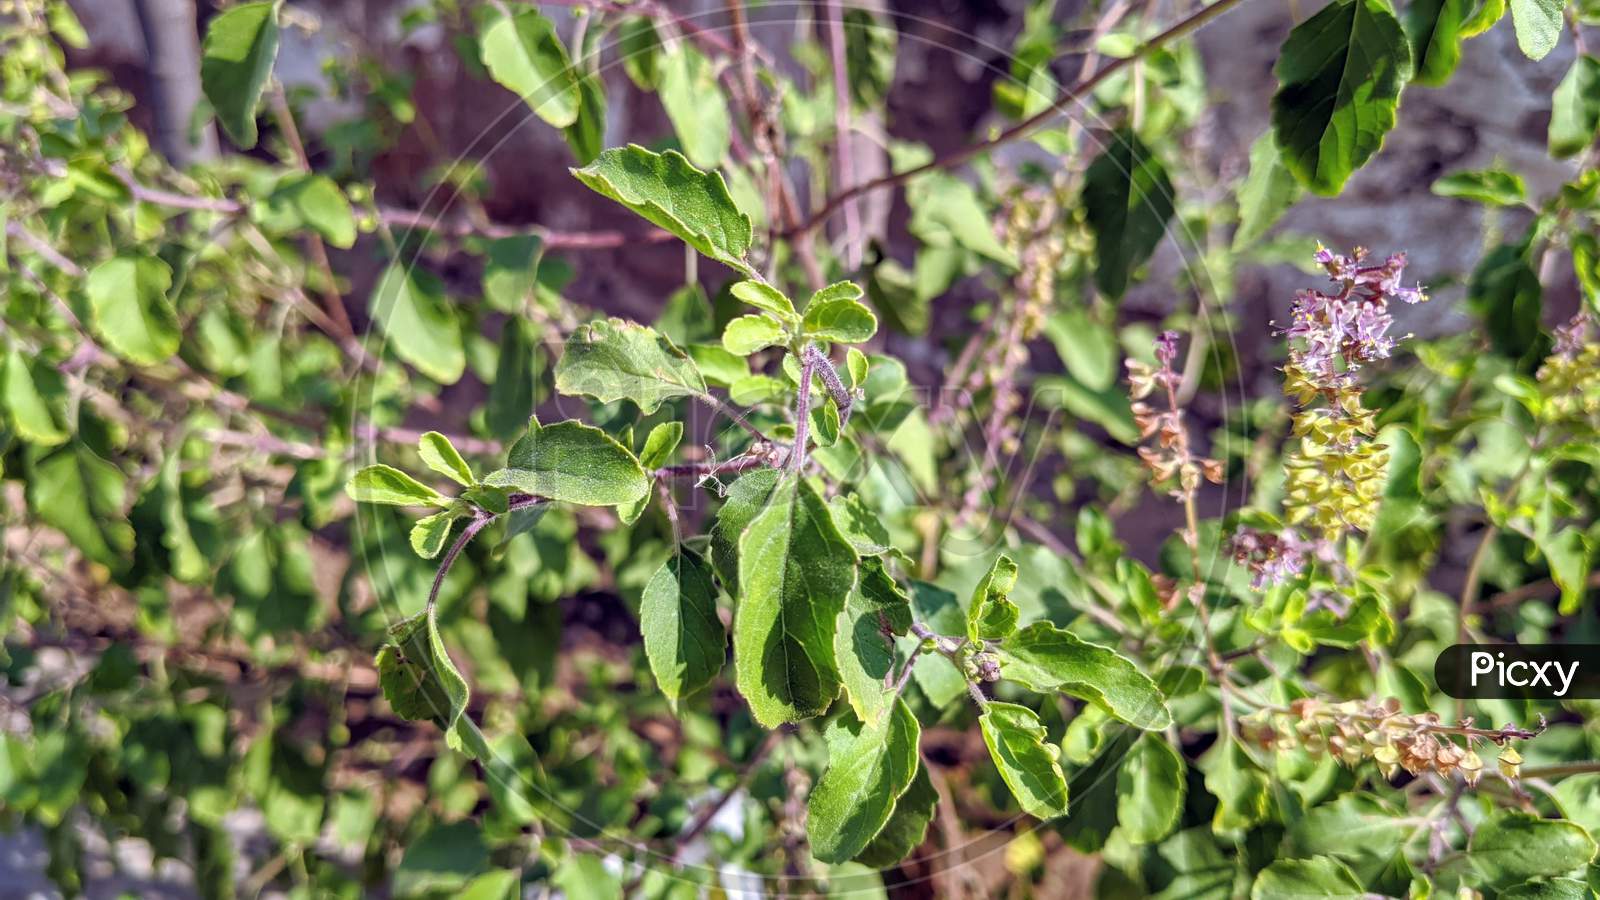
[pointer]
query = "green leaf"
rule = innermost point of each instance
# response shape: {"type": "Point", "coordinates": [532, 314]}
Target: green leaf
{"type": "Point", "coordinates": [746, 498]}
{"type": "Point", "coordinates": [875, 611]}
{"type": "Point", "coordinates": [81, 495]}
{"type": "Point", "coordinates": [747, 334]}
{"type": "Point", "coordinates": [1483, 18]}
{"type": "Point", "coordinates": [694, 104]}
{"type": "Point", "coordinates": [1538, 24]}
{"type": "Point", "coordinates": [1434, 27]}
{"type": "Point", "coordinates": [861, 526]}
{"type": "Point", "coordinates": [869, 767]}
{"type": "Point", "coordinates": [845, 321]}
{"type": "Point", "coordinates": [1575, 108]}
{"type": "Point", "coordinates": [1320, 876]}
{"type": "Point", "coordinates": [795, 571]}
{"type": "Point", "coordinates": [587, 135]}
{"type": "Point", "coordinates": [1339, 76]}
{"type": "Point", "coordinates": [1495, 187]}
{"type": "Point", "coordinates": [659, 444]}
{"type": "Point", "coordinates": [1044, 658]}
{"type": "Point", "coordinates": [1241, 788]}
{"type": "Point", "coordinates": [839, 290]}
{"type": "Point", "coordinates": [1585, 249]}
{"type": "Point", "coordinates": [1548, 889]}
{"type": "Point", "coordinates": [386, 484]}
{"type": "Point", "coordinates": [766, 298]}
{"type": "Point", "coordinates": [572, 462]}
{"type": "Point", "coordinates": [1515, 846]}
{"type": "Point", "coordinates": [907, 826]}
{"type": "Point", "coordinates": [306, 200]}
{"type": "Point", "coordinates": [1266, 193]}
{"type": "Point", "coordinates": [1027, 761]}
{"type": "Point", "coordinates": [991, 615]}
{"type": "Point", "coordinates": [1505, 291]}
{"type": "Point", "coordinates": [417, 676]}
{"type": "Point", "coordinates": [441, 456]}
{"type": "Point", "coordinates": [668, 191]}
{"type": "Point", "coordinates": [524, 55]}
{"type": "Point", "coordinates": [584, 876]}
{"type": "Point", "coordinates": [442, 859]}
{"type": "Point", "coordinates": [411, 306]}
{"type": "Point", "coordinates": [511, 396]}
{"type": "Point", "coordinates": [26, 408]}
{"type": "Point", "coordinates": [235, 62]}
{"type": "Point", "coordinates": [947, 212]}
{"type": "Point", "coordinates": [511, 271]}
{"type": "Point", "coordinates": [683, 638]}
{"type": "Point", "coordinates": [128, 296]}
{"type": "Point", "coordinates": [612, 359]}
{"type": "Point", "coordinates": [1127, 198]}
{"type": "Point", "coordinates": [1569, 556]}
{"type": "Point", "coordinates": [640, 49]}
{"type": "Point", "coordinates": [429, 533]}
{"type": "Point", "coordinates": [1150, 789]}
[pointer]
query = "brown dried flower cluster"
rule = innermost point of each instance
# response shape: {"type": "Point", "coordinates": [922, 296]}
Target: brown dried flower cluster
{"type": "Point", "coordinates": [1169, 459]}
{"type": "Point", "coordinates": [1357, 730]}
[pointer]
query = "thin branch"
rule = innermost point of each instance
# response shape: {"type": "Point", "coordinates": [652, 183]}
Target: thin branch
{"type": "Point", "coordinates": [1020, 130]}
{"type": "Point", "coordinates": [553, 240]}
{"type": "Point", "coordinates": [479, 521]}
{"type": "Point", "coordinates": [331, 299]}
{"type": "Point", "coordinates": [841, 133]}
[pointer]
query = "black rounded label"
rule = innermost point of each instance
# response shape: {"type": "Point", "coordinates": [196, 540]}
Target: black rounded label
{"type": "Point", "coordinates": [1519, 671]}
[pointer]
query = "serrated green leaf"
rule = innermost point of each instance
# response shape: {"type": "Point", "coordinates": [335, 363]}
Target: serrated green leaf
{"type": "Point", "coordinates": [845, 321]}
{"type": "Point", "coordinates": [907, 825]}
{"type": "Point", "coordinates": [1026, 760]}
{"type": "Point", "coordinates": [795, 572]}
{"type": "Point", "coordinates": [388, 485]}
{"type": "Point", "coordinates": [236, 60]}
{"type": "Point", "coordinates": [747, 334]}
{"type": "Point", "coordinates": [132, 315]}
{"type": "Point", "coordinates": [1127, 199]}
{"type": "Point", "coordinates": [1434, 28]}
{"type": "Point", "coordinates": [1339, 76]}
{"type": "Point", "coordinates": [26, 407]}
{"type": "Point", "coordinates": [1150, 789]}
{"type": "Point", "coordinates": [612, 359]}
{"type": "Point", "coordinates": [1267, 192]}
{"type": "Point", "coordinates": [860, 525]}
{"type": "Point", "coordinates": [1506, 292]}
{"type": "Point", "coordinates": [683, 638]}
{"type": "Point", "coordinates": [1496, 187]}
{"type": "Point", "coordinates": [1320, 876]}
{"type": "Point", "coordinates": [1575, 108]}
{"type": "Point", "coordinates": [1538, 24]}
{"type": "Point", "coordinates": [869, 767]}
{"type": "Point", "coordinates": [864, 645]}
{"type": "Point", "coordinates": [1511, 846]}
{"type": "Point", "coordinates": [524, 55]}
{"type": "Point", "coordinates": [572, 462]}
{"type": "Point", "coordinates": [442, 456]}
{"type": "Point", "coordinates": [416, 317]}
{"type": "Point", "coordinates": [670, 192]}
{"type": "Point", "coordinates": [82, 496]}
{"type": "Point", "coordinates": [766, 298]}
{"type": "Point", "coordinates": [991, 615]}
{"type": "Point", "coordinates": [1042, 657]}
{"type": "Point", "coordinates": [693, 102]}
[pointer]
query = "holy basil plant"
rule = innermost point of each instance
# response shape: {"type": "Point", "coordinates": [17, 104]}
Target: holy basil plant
{"type": "Point", "coordinates": [614, 449]}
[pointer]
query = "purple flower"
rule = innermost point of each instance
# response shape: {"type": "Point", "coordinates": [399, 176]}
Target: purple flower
{"type": "Point", "coordinates": [1338, 331]}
